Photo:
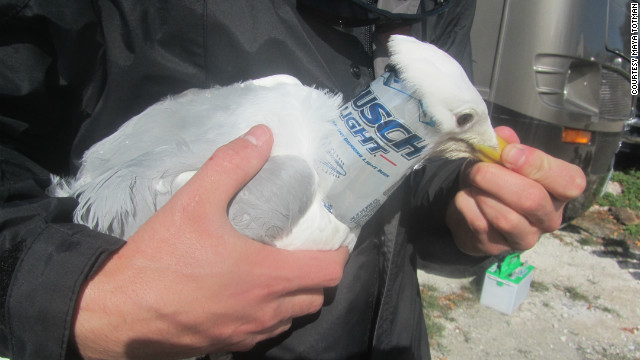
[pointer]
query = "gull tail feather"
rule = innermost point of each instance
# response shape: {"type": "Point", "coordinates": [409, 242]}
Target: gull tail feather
{"type": "Point", "coordinates": [60, 187]}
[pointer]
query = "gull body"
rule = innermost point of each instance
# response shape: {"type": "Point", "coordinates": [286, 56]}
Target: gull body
{"type": "Point", "coordinates": [126, 177]}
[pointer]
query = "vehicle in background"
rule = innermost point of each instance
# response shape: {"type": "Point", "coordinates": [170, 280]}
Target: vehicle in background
{"type": "Point", "coordinates": [631, 135]}
{"type": "Point", "coordinates": [558, 72]}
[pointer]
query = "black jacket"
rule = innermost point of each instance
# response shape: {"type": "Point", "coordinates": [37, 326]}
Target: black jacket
{"type": "Point", "coordinates": [71, 72]}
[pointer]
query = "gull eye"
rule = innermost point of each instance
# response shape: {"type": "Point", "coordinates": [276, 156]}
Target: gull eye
{"type": "Point", "coordinates": [464, 119]}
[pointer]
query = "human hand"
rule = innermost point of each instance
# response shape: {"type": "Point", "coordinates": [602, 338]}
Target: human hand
{"type": "Point", "coordinates": [508, 207]}
{"type": "Point", "coordinates": [187, 283]}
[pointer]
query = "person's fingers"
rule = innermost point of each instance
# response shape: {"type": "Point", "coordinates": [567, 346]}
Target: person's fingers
{"type": "Point", "coordinates": [507, 207]}
{"type": "Point", "coordinates": [470, 212]}
{"type": "Point", "coordinates": [330, 263]}
{"type": "Point", "coordinates": [274, 330]}
{"type": "Point", "coordinates": [303, 302]}
{"type": "Point", "coordinates": [473, 233]}
{"type": "Point", "coordinates": [248, 342]}
{"type": "Point", "coordinates": [467, 224]}
{"type": "Point", "coordinates": [513, 227]}
{"type": "Point", "coordinates": [299, 270]}
{"type": "Point", "coordinates": [275, 317]}
{"type": "Point", "coordinates": [563, 180]}
{"type": "Point", "coordinates": [525, 196]}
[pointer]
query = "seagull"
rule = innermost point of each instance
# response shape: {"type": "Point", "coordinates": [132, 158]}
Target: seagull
{"type": "Point", "coordinates": [333, 162]}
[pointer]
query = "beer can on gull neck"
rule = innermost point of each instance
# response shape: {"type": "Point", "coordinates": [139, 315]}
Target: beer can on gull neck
{"type": "Point", "coordinates": [379, 138]}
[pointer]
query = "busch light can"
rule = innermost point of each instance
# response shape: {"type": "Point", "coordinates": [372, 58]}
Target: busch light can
{"type": "Point", "coordinates": [374, 147]}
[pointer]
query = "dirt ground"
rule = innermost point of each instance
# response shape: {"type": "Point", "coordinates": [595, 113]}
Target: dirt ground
{"type": "Point", "coordinates": [584, 303]}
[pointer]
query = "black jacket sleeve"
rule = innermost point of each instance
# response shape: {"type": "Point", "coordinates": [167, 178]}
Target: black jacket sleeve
{"type": "Point", "coordinates": [44, 258]}
{"type": "Point", "coordinates": [432, 187]}
{"type": "Point", "coordinates": [44, 262]}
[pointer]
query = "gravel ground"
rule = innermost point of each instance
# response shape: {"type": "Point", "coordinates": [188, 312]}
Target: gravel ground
{"type": "Point", "coordinates": [584, 303]}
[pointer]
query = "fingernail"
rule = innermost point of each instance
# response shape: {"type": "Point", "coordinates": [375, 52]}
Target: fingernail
{"type": "Point", "coordinates": [257, 135]}
{"type": "Point", "coordinates": [514, 156]}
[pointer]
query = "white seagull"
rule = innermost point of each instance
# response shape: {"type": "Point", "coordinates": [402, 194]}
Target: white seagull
{"type": "Point", "coordinates": [332, 164]}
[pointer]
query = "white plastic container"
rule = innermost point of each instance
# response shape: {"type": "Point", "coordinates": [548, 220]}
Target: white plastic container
{"type": "Point", "coordinates": [506, 284]}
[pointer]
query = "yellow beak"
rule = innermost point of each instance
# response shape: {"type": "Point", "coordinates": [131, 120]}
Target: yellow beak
{"type": "Point", "coordinates": [490, 154]}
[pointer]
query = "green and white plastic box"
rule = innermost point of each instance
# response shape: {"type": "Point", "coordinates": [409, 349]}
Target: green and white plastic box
{"type": "Point", "coordinates": [506, 284]}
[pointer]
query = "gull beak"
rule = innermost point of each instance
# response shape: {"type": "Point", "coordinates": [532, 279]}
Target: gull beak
{"type": "Point", "coordinates": [488, 153]}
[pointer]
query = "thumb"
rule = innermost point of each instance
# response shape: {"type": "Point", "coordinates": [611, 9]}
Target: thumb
{"type": "Point", "coordinates": [561, 179]}
{"type": "Point", "coordinates": [232, 166]}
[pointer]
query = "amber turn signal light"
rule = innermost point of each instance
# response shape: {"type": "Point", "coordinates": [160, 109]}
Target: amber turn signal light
{"type": "Point", "coordinates": [576, 136]}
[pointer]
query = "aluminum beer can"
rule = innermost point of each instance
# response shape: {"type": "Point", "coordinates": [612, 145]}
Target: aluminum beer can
{"type": "Point", "coordinates": [375, 145]}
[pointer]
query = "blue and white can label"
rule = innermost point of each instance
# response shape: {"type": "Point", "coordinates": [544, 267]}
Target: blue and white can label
{"type": "Point", "coordinates": [374, 147]}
